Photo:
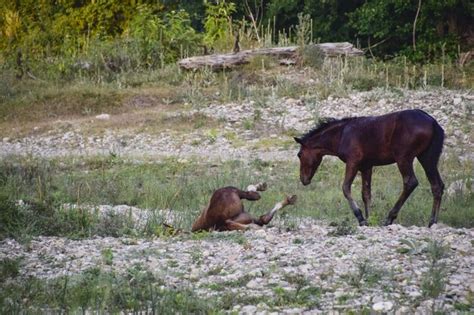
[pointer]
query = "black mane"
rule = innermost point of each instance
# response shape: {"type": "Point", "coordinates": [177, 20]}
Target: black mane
{"type": "Point", "coordinates": [323, 124]}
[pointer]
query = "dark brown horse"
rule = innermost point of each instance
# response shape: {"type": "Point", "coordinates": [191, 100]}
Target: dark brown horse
{"type": "Point", "coordinates": [364, 142]}
{"type": "Point", "coordinates": [226, 212]}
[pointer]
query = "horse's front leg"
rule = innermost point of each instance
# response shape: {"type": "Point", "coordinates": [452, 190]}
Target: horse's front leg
{"type": "Point", "coordinates": [351, 172]}
{"type": "Point", "coordinates": [366, 190]}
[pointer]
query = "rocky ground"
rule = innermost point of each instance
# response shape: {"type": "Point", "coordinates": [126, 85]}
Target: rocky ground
{"type": "Point", "coordinates": [250, 129]}
{"type": "Point", "coordinates": [372, 268]}
{"type": "Point", "coordinates": [382, 269]}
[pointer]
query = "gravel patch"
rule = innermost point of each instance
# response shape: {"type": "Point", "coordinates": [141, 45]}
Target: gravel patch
{"type": "Point", "coordinates": [252, 123]}
{"type": "Point", "coordinates": [256, 262]}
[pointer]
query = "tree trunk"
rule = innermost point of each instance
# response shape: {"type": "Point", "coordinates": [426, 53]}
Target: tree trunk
{"type": "Point", "coordinates": [221, 61]}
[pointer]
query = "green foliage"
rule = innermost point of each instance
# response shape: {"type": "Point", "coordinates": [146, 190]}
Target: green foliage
{"type": "Point", "coordinates": [9, 268]}
{"type": "Point", "coordinates": [434, 280]}
{"type": "Point", "coordinates": [218, 25]}
{"type": "Point", "coordinates": [437, 32]}
{"type": "Point", "coordinates": [366, 273]}
{"type": "Point", "coordinates": [136, 290]}
{"type": "Point", "coordinates": [342, 228]}
{"type": "Point", "coordinates": [66, 39]}
{"type": "Point", "coordinates": [107, 256]}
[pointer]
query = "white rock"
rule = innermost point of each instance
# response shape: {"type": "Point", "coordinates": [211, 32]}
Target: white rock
{"type": "Point", "coordinates": [382, 306]}
{"type": "Point", "coordinates": [103, 117]}
{"type": "Point", "coordinates": [457, 100]}
{"type": "Point", "coordinates": [253, 284]}
{"type": "Point", "coordinates": [248, 309]}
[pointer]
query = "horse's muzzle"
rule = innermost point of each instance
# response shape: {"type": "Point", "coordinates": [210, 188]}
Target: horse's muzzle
{"type": "Point", "coordinates": [305, 181]}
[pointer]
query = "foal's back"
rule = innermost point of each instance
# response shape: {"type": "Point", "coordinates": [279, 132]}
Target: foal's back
{"type": "Point", "coordinates": [225, 203]}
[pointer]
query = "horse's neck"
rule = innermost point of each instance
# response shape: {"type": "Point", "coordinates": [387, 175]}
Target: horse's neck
{"type": "Point", "coordinates": [330, 138]}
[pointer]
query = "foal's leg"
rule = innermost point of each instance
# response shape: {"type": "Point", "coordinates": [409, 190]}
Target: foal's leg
{"type": "Point", "coordinates": [231, 225]}
{"type": "Point", "coordinates": [366, 187]}
{"type": "Point", "coordinates": [351, 172]}
{"type": "Point", "coordinates": [251, 192]}
{"type": "Point", "coordinates": [409, 184]}
{"type": "Point", "coordinates": [437, 186]}
{"type": "Point", "coordinates": [266, 218]}
{"type": "Point", "coordinates": [242, 221]}
{"type": "Point", "coordinates": [257, 187]}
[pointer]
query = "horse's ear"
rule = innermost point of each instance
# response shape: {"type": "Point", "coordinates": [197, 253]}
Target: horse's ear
{"type": "Point", "coordinates": [298, 140]}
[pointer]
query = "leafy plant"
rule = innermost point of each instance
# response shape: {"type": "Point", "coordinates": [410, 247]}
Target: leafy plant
{"type": "Point", "coordinates": [218, 25]}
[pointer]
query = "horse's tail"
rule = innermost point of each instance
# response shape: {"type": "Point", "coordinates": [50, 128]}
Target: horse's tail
{"type": "Point", "coordinates": [433, 152]}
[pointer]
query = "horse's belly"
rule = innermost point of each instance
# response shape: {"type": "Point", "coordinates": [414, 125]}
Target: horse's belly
{"type": "Point", "coordinates": [377, 162]}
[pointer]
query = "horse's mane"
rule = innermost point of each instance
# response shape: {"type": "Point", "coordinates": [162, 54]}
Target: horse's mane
{"type": "Point", "coordinates": [323, 124]}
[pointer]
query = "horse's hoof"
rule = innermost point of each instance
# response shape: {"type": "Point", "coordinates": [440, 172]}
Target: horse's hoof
{"type": "Point", "coordinates": [291, 200]}
{"type": "Point", "coordinates": [363, 223]}
{"type": "Point", "coordinates": [262, 186]}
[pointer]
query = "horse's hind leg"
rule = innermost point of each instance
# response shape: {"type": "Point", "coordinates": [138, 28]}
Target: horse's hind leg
{"type": "Point", "coordinates": [366, 188]}
{"type": "Point", "coordinates": [437, 185]}
{"type": "Point", "coordinates": [409, 184]}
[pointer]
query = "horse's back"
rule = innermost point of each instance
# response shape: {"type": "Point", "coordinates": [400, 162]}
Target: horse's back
{"type": "Point", "coordinates": [380, 140]}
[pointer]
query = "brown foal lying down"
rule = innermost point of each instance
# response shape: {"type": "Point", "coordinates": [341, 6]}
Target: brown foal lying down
{"type": "Point", "coordinates": [225, 211]}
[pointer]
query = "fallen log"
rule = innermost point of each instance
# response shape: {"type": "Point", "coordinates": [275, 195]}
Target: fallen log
{"type": "Point", "coordinates": [220, 61]}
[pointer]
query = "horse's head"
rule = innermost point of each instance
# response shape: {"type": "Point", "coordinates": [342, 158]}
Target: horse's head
{"type": "Point", "coordinates": [310, 158]}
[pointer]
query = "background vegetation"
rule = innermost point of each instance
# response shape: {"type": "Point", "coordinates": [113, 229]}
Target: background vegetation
{"type": "Point", "coordinates": [64, 37]}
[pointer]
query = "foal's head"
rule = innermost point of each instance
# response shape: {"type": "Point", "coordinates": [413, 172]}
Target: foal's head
{"type": "Point", "coordinates": [310, 158]}
{"type": "Point", "coordinates": [314, 145]}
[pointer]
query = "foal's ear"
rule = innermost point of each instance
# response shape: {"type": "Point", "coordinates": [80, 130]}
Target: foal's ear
{"type": "Point", "coordinates": [298, 140]}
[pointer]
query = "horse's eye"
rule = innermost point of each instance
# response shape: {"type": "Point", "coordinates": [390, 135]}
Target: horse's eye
{"type": "Point", "coordinates": [299, 154]}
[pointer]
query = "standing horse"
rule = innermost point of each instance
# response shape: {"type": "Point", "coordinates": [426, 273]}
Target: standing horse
{"type": "Point", "coordinates": [364, 142]}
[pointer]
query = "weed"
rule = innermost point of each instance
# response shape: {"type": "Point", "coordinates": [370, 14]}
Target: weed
{"type": "Point", "coordinates": [298, 241]}
{"type": "Point", "coordinates": [434, 280]}
{"type": "Point", "coordinates": [9, 268]}
{"type": "Point", "coordinates": [342, 228]}
{"type": "Point", "coordinates": [366, 274]}
{"type": "Point", "coordinates": [215, 271]}
{"type": "Point", "coordinates": [107, 256]}
{"type": "Point", "coordinates": [242, 281]}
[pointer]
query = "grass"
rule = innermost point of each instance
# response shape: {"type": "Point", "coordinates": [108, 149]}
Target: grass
{"type": "Point", "coordinates": [28, 103]}
{"type": "Point", "coordinates": [186, 186]}
{"type": "Point", "coordinates": [366, 274]}
{"type": "Point", "coordinates": [135, 290]}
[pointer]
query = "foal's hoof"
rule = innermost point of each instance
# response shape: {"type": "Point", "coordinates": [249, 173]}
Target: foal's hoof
{"type": "Point", "coordinates": [261, 186]}
{"type": "Point", "coordinates": [291, 200]}
{"type": "Point", "coordinates": [363, 223]}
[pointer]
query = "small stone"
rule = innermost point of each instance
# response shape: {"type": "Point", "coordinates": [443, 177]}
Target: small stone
{"type": "Point", "coordinates": [403, 310]}
{"type": "Point", "coordinates": [253, 284]}
{"type": "Point", "coordinates": [261, 233]}
{"type": "Point", "coordinates": [248, 309]}
{"type": "Point", "coordinates": [414, 294]}
{"type": "Point", "coordinates": [457, 100]}
{"type": "Point", "coordinates": [103, 117]}
{"type": "Point", "coordinates": [382, 306]}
